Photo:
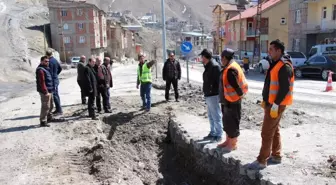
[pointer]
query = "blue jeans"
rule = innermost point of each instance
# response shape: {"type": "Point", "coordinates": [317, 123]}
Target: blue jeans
{"type": "Point", "coordinates": [214, 115]}
{"type": "Point", "coordinates": [57, 99]}
{"type": "Point", "coordinates": [145, 93]}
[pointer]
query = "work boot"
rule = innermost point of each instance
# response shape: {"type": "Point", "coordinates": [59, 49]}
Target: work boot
{"type": "Point", "coordinates": [44, 124]}
{"type": "Point", "coordinates": [108, 111]}
{"type": "Point", "coordinates": [232, 145]}
{"type": "Point", "coordinates": [224, 144]}
{"type": "Point", "coordinates": [274, 160]}
{"type": "Point", "coordinates": [256, 165]}
{"type": "Point", "coordinates": [209, 137]}
{"type": "Point", "coordinates": [95, 118]}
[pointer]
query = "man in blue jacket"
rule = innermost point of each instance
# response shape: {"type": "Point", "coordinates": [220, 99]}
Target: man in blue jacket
{"type": "Point", "coordinates": [55, 70]}
{"type": "Point", "coordinates": [44, 85]}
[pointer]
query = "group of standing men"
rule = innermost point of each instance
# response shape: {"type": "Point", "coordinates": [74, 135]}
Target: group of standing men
{"type": "Point", "coordinates": [95, 81]}
{"type": "Point", "coordinates": [47, 85]}
{"type": "Point", "coordinates": [228, 86]}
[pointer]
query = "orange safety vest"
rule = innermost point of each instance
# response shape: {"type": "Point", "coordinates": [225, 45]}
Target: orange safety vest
{"type": "Point", "coordinates": [230, 93]}
{"type": "Point", "coordinates": [274, 84]}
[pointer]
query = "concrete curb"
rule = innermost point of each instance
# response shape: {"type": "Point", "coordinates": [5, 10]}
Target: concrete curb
{"type": "Point", "coordinates": [230, 168]}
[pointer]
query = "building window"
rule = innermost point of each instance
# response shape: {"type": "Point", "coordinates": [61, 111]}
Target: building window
{"type": "Point", "coordinates": [334, 13]}
{"type": "Point", "coordinates": [324, 12]}
{"type": "Point", "coordinates": [82, 39]}
{"type": "Point", "coordinates": [66, 40]}
{"type": "Point", "coordinates": [79, 12]}
{"type": "Point", "coordinates": [64, 13]}
{"type": "Point", "coordinates": [65, 26]}
{"type": "Point", "coordinates": [80, 26]}
{"type": "Point", "coordinates": [298, 16]}
{"type": "Point", "coordinates": [250, 26]}
{"type": "Point", "coordinates": [296, 44]}
{"type": "Point", "coordinates": [283, 21]}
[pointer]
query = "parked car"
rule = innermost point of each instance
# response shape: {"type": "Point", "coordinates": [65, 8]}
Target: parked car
{"type": "Point", "coordinates": [264, 63]}
{"type": "Point", "coordinates": [321, 48]}
{"type": "Point", "coordinates": [74, 61]}
{"type": "Point", "coordinates": [317, 66]}
{"type": "Point", "coordinates": [298, 58]}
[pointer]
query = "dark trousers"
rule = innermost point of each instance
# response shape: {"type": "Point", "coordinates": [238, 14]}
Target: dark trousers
{"type": "Point", "coordinates": [102, 93]}
{"type": "Point", "coordinates": [108, 98]}
{"type": "Point", "coordinates": [168, 85]}
{"type": "Point", "coordinates": [246, 67]}
{"type": "Point", "coordinates": [57, 100]}
{"type": "Point", "coordinates": [145, 93]}
{"type": "Point", "coordinates": [231, 118]}
{"type": "Point", "coordinates": [91, 105]}
{"type": "Point", "coordinates": [81, 86]}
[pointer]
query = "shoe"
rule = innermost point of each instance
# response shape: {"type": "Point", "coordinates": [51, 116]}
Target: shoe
{"type": "Point", "coordinates": [225, 143]}
{"type": "Point", "coordinates": [108, 111]}
{"type": "Point", "coordinates": [147, 110]}
{"type": "Point", "coordinates": [50, 120]}
{"type": "Point", "coordinates": [56, 113]}
{"type": "Point", "coordinates": [274, 160]}
{"type": "Point", "coordinates": [98, 111]}
{"type": "Point", "coordinates": [217, 139]}
{"type": "Point", "coordinates": [209, 137]}
{"type": "Point", "coordinates": [83, 103]}
{"type": "Point", "coordinates": [95, 118]}
{"type": "Point", "coordinates": [44, 124]}
{"type": "Point", "coordinates": [231, 145]}
{"type": "Point", "coordinates": [177, 100]}
{"type": "Point", "coordinates": [256, 166]}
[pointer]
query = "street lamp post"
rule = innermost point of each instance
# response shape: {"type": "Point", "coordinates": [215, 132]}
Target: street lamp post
{"type": "Point", "coordinates": [163, 30]}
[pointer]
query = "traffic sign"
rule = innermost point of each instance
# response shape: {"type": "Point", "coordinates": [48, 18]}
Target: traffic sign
{"type": "Point", "coordinates": [186, 47]}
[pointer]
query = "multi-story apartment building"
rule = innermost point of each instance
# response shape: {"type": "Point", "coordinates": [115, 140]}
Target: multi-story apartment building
{"type": "Point", "coordinates": [220, 14]}
{"type": "Point", "coordinates": [297, 23]}
{"type": "Point", "coordinates": [121, 39]}
{"type": "Point", "coordinates": [311, 22]}
{"type": "Point", "coordinates": [240, 33]}
{"type": "Point", "coordinates": [77, 28]}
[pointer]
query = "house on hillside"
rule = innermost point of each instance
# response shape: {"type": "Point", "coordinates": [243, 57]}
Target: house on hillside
{"type": "Point", "coordinates": [311, 23]}
{"type": "Point", "coordinates": [220, 14]}
{"type": "Point", "coordinates": [240, 31]}
{"type": "Point", "coordinates": [77, 28]}
{"type": "Point", "coordinates": [122, 39]}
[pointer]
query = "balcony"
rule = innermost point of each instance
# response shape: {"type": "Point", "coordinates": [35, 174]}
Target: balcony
{"type": "Point", "coordinates": [251, 32]}
{"type": "Point", "coordinates": [311, 1]}
{"type": "Point", "coordinates": [321, 27]}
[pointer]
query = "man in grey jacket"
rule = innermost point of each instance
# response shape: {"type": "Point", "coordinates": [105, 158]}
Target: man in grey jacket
{"type": "Point", "coordinates": [81, 77]}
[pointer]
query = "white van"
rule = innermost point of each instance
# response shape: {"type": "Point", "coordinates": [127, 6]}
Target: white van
{"type": "Point", "coordinates": [321, 48]}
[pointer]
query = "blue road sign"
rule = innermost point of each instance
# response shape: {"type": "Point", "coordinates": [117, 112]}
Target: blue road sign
{"type": "Point", "coordinates": [186, 47]}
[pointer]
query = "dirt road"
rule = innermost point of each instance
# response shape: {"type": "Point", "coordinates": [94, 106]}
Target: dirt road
{"type": "Point", "coordinates": [129, 149]}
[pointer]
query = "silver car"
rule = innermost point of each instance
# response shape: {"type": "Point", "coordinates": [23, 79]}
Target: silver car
{"type": "Point", "coordinates": [74, 61]}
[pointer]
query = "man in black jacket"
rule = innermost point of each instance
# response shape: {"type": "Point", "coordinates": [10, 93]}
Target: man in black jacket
{"type": "Point", "coordinates": [81, 77]}
{"type": "Point", "coordinates": [44, 85]}
{"type": "Point", "coordinates": [102, 77]}
{"type": "Point", "coordinates": [171, 73]}
{"type": "Point", "coordinates": [210, 88]}
{"type": "Point", "coordinates": [90, 89]}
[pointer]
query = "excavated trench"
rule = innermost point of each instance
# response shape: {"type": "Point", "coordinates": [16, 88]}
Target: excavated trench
{"type": "Point", "coordinates": [147, 148]}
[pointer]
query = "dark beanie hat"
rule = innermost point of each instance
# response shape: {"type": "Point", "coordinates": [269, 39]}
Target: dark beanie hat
{"type": "Point", "coordinates": [227, 53]}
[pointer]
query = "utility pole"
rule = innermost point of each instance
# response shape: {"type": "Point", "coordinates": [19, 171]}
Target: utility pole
{"type": "Point", "coordinates": [220, 30]}
{"type": "Point", "coordinates": [202, 38]}
{"type": "Point", "coordinates": [163, 30]}
{"type": "Point", "coordinates": [257, 52]}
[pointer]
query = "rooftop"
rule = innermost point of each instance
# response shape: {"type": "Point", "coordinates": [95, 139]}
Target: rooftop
{"type": "Point", "coordinates": [250, 12]}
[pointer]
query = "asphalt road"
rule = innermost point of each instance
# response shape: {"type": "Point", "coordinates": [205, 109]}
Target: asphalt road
{"type": "Point", "coordinates": [308, 90]}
